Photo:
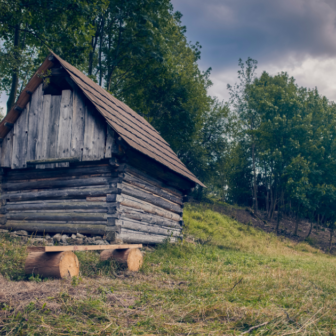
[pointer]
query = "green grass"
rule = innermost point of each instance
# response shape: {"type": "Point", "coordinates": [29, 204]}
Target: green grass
{"type": "Point", "coordinates": [223, 279]}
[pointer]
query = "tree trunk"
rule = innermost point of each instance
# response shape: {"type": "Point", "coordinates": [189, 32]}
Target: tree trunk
{"type": "Point", "coordinates": [267, 201]}
{"type": "Point", "coordinates": [271, 205]}
{"type": "Point", "coordinates": [91, 56]}
{"type": "Point", "coordinates": [331, 237]}
{"type": "Point", "coordinates": [310, 229]}
{"type": "Point", "coordinates": [255, 187]}
{"type": "Point", "coordinates": [280, 207]}
{"type": "Point", "coordinates": [100, 51]}
{"type": "Point", "coordinates": [297, 221]}
{"type": "Point", "coordinates": [15, 73]}
{"type": "Point", "coordinates": [275, 202]}
{"type": "Point", "coordinates": [92, 52]}
{"type": "Point", "coordinates": [278, 221]}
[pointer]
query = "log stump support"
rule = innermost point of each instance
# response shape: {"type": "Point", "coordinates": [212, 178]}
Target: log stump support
{"type": "Point", "coordinates": [132, 258]}
{"type": "Point", "coordinates": [52, 264]}
{"type": "Point", "coordinates": [65, 264]}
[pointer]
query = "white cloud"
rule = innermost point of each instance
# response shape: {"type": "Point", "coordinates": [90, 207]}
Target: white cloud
{"type": "Point", "coordinates": [310, 73]}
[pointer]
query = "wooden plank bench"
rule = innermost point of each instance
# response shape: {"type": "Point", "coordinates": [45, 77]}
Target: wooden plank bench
{"type": "Point", "coordinates": [61, 262]}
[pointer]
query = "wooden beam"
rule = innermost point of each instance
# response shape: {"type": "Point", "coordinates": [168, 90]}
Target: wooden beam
{"type": "Point", "coordinates": [81, 248]}
{"type": "Point", "coordinates": [19, 109]}
{"type": "Point", "coordinates": [9, 125]}
{"type": "Point", "coordinates": [54, 160]}
{"type": "Point", "coordinates": [58, 194]}
{"type": "Point", "coordinates": [24, 97]}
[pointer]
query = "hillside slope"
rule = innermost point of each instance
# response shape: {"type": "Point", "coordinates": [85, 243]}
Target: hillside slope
{"type": "Point", "coordinates": [226, 278]}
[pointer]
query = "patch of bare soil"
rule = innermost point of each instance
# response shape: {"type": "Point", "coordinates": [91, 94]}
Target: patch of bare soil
{"type": "Point", "coordinates": [319, 237]}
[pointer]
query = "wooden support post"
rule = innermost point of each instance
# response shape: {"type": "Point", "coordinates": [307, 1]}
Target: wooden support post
{"type": "Point", "coordinates": [52, 264]}
{"type": "Point", "coordinates": [132, 258]}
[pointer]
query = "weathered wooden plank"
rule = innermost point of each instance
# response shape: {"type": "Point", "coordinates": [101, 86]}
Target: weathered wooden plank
{"type": "Point", "coordinates": [70, 189]}
{"type": "Point", "coordinates": [99, 211]}
{"type": "Point", "coordinates": [53, 128]}
{"type": "Point", "coordinates": [145, 206]}
{"type": "Point", "coordinates": [35, 174]}
{"type": "Point", "coordinates": [45, 184]}
{"type": "Point", "coordinates": [147, 186]}
{"type": "Point", "coordinates": [52, 160]}
{"type": "Point", "coordinates": [110, 142]}
{"type": "Point", "coordinates": [145, 227]}
{"type": "Point", "coordinates": [94, 135]}
{"type": "Point", "coordinates": [35, 112]}
{"type": "Point", "coordinates": [7, 149]}
{"type": "Point", "coordinates": [42, 130]}
{"type": "Point", "coordinates": [54, 194]}
{"type": "Point", "coordinates": [131, 236]}
{"type": "Point", "coordinates": [94, 223]}
{"type": "Point", "coordinates": [61, 178]}
{"type": "Point", "coordinates": [78, 123]}
{"type": "Point", "coordinates": [68, 205]}
{"type": "Point", "coordinates": [56, 216]}
{"type": "Point", "coordinates": [126, 168]}
{"type": "Point", "coordinates": [130, 213]}
{"type": "Point", "coordinates": [20, 140]}
{"type": "Point", "coordinates": [56, 227]}
{"type": "Point", "coordinates": [65, 127]}
{"type": "Point", "coordinates": [150, 198]}
{"type": "Point", "coordinates": [81, 248]}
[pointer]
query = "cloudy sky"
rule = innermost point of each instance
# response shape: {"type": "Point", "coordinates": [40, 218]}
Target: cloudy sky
{"type": "Point", "coordinates": [296, 36]}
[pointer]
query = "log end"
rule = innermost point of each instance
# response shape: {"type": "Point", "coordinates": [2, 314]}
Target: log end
{"type": "Point", "coordinates": [133, 258]}
{"type": "Point", "coordinates": [52, 264]}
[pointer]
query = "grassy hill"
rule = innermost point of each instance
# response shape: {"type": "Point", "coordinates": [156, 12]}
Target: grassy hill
{"type": "Point", "coordinates": [225, 278]}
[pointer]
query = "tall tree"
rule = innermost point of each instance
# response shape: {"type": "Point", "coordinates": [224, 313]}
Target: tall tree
{"type": "Point", "coordinates": [240, 98]}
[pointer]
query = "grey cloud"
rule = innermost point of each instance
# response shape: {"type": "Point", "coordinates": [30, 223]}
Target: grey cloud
{"type": "Point", "coordinates": [267, 30]}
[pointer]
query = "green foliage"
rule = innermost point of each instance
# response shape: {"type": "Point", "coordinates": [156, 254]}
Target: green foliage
{"type": "Point", "coordinates": [292, 130]}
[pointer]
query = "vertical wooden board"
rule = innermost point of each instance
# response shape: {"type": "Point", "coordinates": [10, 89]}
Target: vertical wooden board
{"type": "Point", "coordinates": [35, 112]}
{"type": "Point", "coordinates": [100, 137]}
{"type": "Point", "coordinates": [109, 141]}
{"type": "Point", "coordinates": [94, 135]}
{"type": "Point", "coordinates": [7, 149]}
{"type": "Point", "coordinates": [78, 120]}
{"type": "Point", "coordinates": [65, 126]}
{"type": "Point", "coordinates": [42, 131]}
{"type": "Point", "coordinates": [20, 140]}
{"type": "Point", "coordinates": [55, 110]}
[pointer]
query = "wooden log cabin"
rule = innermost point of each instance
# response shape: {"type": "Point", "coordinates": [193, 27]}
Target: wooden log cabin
{"type": "Point", "coordinates": [76, 159]}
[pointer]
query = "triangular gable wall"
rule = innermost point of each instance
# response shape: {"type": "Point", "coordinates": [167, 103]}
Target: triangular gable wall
{"type": "Point", "coordinates": [51, 127]}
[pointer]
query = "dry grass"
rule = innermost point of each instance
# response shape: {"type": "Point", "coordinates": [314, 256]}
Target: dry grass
{"type": "Point", "coordinates": [225, 279]}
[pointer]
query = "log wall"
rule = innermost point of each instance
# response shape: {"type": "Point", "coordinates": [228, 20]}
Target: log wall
{"type": "Point", "coordinates": [118, 202]}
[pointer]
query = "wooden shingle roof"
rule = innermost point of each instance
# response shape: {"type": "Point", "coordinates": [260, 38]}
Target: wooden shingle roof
{"type": "Point", "coordinates": [131, 127]}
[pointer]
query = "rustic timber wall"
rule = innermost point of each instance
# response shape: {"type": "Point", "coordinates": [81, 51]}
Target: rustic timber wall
{"type": "Point", "coordinates": [119, 202]}
{"type": "Point", "coordinates": [56, 127]}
